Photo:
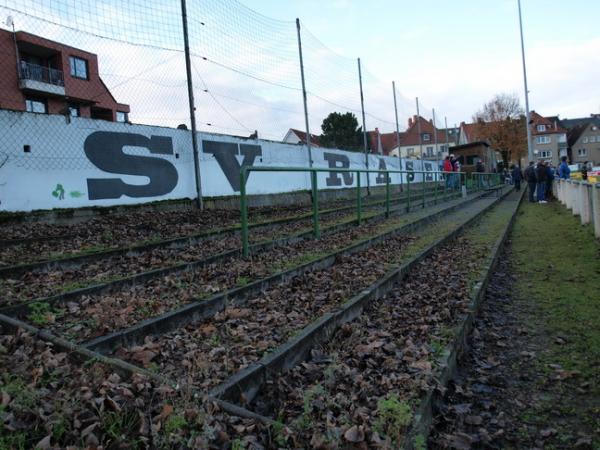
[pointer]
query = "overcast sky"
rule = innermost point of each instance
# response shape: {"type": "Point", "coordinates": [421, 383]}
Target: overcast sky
{"type": "Point", "coordinates": [454, 55]}
{"type": "Point", "coordinates": [457, 54]}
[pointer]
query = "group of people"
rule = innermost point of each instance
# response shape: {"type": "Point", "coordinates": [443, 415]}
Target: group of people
{"type": "Point", "coordinates": [539, 178]}
{"type": "Point", "coordinates": [451, 164]}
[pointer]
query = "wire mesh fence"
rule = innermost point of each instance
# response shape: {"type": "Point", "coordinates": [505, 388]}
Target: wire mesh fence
{"type": "Point", "coordinates": [88, 62]}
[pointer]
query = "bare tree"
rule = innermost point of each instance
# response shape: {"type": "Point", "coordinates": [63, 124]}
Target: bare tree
{"type": "Point", "coordinates": [502, 122]}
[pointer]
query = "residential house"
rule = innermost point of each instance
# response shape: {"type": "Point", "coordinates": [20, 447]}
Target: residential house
{"type": "Point", "coordinates": [549, 138]}
{"type": "Point", "coordinates": [294, 136]}
{"type": "Point", "coordinates": [422, 140]}
{"type": "Point", "coordinates": [43, 76]}
{"type": "Point", "coordinates": [584, 142]}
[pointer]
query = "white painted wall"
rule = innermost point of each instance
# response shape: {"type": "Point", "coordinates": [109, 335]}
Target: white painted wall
{"type": "Point", "coordinates": [60, 155]}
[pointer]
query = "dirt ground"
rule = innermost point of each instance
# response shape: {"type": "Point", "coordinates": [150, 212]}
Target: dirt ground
{"type": "Point", "coordinates": [532, 376]}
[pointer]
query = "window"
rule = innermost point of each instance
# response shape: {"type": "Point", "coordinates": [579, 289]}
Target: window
{"type": "Point", "coordinates": [585, 140]}
{"type": "Point", "coordinates": [74, 110]}
{"type": "Point", "coordinates": [562, 138]}
{"type": "Point", "coordinates": [582, 152]}
{"type": "Point", "coordinates": [545, 154]}
{"type": "Point", "coordinates": [410, 151]}
{"type": "Point", "coordinates": [429, 151]}
{"type": "Point", "coordinates": [79, 67]}
{"type": "Point", "coordinates": [541, 127]}
{"type": "Point", "coordinates": [35, 106]}
{"type": "Point", "coordinates": [122, 116]}
{"type": "Point", "coordinates": [542, 139]}
{"type": "Point", "coordinates": [592, 139]}
{"type": "Point", "coordinates": [426, 137]}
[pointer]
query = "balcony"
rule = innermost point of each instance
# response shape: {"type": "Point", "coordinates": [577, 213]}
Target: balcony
{"type": "Point", "coordinates": [41, 79]}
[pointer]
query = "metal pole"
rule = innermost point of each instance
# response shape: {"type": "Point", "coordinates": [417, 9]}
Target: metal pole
{"type": "Point", "coordinates": [397, 130]}
{"type": "Point", "coordinates": [447, 140]}
{"type": "Point", "coordinates": [435, 142]}
{"type": "Point", "coordinates": [244, 213]}
{"type": "Point", "coordinates": [358, 198]}
{"type": "Point", "coordinates": [419, 131]}
{"type": "Point", "coordinates": [190, 86]}
{"type": "Point", "coordinates": [315, 199]}
{"type": "Point", "coordinates": [308, 144]}
{"type": "Point", "coordinates": [387, 195]}
{"type": "Point", "coordinates": [362, 107]}
{"type": "Point", "coordinates": [527, 115]}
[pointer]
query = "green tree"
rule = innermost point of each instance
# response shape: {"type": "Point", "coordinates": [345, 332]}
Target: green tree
{"type": "Point", "coordinates": [341, 131]}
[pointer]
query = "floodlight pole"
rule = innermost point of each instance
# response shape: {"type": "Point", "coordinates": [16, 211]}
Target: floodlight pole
{"type": "Point", "coordinates": [527, 115]}
{"type": "Point", "coordinates": [308, 143]}
{"type": "Point", "coordinates": [362, 107]}
{"type": "Point", "coordinates": [190, 86]}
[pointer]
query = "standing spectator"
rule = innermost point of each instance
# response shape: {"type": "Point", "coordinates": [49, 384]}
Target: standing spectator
{"type": "Point", "coordinates": [542, 176]}
{"type": "Point", "coordinates": [479, 169]}
{"type": "Point", "coordinates": [584, 171]}
{"type": "Point", "coordinates": [563, 170]}
{"type": "Point", "coordinates": [447, 168]}
{"type": "Point", "coordinates": [531, 180]}
{"type": "Point", "coordinates": [516, 176]}
{"type": "Point", "coordinates": [549, 180]}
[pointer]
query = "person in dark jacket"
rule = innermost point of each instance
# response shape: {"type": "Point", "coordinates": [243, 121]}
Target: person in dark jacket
{"type": "Point", "coordinates": [517, 176]}
{"type": "Point", "coordinates": [584, 171]}
{"type": "Point", "coordinates": [541, 176]}
{"type": "Point", "coordinates": [549, 181]}
{"type": "Point", "coordinates": [531, 180]}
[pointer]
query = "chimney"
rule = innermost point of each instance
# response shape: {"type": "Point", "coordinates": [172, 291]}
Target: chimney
{"type": "Point", "coordinates": [410, 122]}
{"type": "Point", "coordinates": [555, 125]}
{"type": "Point", "coordinates": [376, 130]}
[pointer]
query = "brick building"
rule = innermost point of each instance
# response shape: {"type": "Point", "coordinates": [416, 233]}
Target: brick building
{"type": "Point", "coordinates": [43, 76]}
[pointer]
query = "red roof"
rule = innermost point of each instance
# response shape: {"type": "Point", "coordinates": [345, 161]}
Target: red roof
{"type": "Point", "coordinates": [551, 126]}
{"type": "Point", "coordinates": [411, 136]}
{"type": "Point", "coordinates": [314, 139]}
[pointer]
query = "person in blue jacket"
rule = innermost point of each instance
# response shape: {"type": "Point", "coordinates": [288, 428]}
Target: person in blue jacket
{"type": "Point", "coordinates": [563, 170]}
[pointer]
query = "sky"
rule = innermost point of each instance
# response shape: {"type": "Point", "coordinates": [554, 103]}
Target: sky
{"type": "Point", "coordinates": [453, 55]}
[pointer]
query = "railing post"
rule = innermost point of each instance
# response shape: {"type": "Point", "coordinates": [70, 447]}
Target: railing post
{"type": "Point", "coordinates": [407, 193]}
{"type": "Point", "coordinates": [423, 187]}
{"type": "Point", "coordinates": [315, 202]}
{"type": "Point", "coordinates": [358, 199]}
{"type": "Point", "coordinates": [387, 195]}
{"type": "Point", "coordinates": [244, 212]}
{"type": "Point", "coordinates": [436, 188]}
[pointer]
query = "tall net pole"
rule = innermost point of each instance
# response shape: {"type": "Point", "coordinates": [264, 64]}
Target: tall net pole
{"type": "Point", "coordinates": [308, 139]}
{"type": "Point", "coordinates": [397, 125]}
{"type": "Point", "coordinates": [362, 107]}
{"type": "Point", "coordinates": [419, 131]}
{"type": "Point", "coordinates": [190, 86]}
{"type": "Point", "coordinates": [435, 140]}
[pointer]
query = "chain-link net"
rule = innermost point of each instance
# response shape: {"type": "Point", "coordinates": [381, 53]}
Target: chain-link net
{"type": "Point", "coordinates": [85, 62]}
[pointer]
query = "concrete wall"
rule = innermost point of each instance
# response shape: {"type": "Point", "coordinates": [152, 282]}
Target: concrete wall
{"type": "Point", "coordinates": [47, 162]}
{"type": "Point", "coordinates": [583, 199]}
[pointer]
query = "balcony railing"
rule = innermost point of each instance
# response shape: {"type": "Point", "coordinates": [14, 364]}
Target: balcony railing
{"type": "Point", "coordinates": [34, 72]}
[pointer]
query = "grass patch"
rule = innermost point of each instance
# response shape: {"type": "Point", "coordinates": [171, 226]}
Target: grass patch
{"type": "Point", "coordinates": [557, 265]}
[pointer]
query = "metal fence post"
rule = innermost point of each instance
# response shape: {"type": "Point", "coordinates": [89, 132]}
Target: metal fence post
{"type": "Point", "coordinates": [423, 184]}
{"type": "Point", "coordinates": [358, 199]}
{"type": "Point", "coordinates": [190, 87]}
{"type": "Point", "coordinates": [315, 202]}
{"type": "Point", "coordinates": [387, 194]}
{"type": "Point", "coordinates": [436, 188]}
{"type": "Point", "coordinates": [408, 193]}
{"type": "Point", "coordinates": [244, 212]}
{"type": "Point", "coordinates": [362, 107]}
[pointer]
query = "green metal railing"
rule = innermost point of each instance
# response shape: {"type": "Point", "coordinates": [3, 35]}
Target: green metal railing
{"type": "Point", "coordinates": [452, 181]}
{"type": "Point", "coordinates": [457, 179]}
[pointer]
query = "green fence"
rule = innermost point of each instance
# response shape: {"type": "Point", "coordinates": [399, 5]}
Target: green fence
{"type": "Point", "coordinates": [452, 181]}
